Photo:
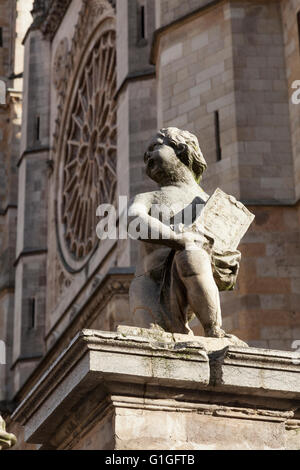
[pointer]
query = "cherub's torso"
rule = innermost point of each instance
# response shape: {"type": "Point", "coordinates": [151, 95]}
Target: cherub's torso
{"type": "Point", "coordinates": [177, 200]}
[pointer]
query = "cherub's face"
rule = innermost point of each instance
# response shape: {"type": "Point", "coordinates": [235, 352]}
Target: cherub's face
{"type": "Point", "coordinates": [161, 160]}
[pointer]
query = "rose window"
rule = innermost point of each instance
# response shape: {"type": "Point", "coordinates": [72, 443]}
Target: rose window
{"type": "Point", "coordinates": [88, 175]}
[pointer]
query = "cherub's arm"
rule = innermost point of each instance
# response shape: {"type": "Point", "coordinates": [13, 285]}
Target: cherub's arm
{"type": "Point", "coordinates": [151, 230]}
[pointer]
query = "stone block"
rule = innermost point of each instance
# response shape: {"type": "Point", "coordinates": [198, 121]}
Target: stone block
{"type": "Point", "coordinates": [210, 72]}
{"type": "Point", "coordinates": [266, 370]}
{"type": "Point", "coordinates": [199, 41]}
{"type": "Point", "coordinates": [170, 54]}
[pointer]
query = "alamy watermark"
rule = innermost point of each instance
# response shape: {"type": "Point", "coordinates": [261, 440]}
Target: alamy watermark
{"type": "Point", "coordinates": [2, 92]}
{"type": "Point", "coordinates": [296, 94]}
{"type": "Point", "coordinates": [2, 353]}
{"type": "Point", "coordinates": [160, 222]}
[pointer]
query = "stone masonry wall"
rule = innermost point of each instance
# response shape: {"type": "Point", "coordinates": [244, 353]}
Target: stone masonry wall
{"type": "Point", "coordinates": [38, 115]}
{"type": "Point", "coordinates": [264, 307]}
{"type": "Point", "coordinates": [262, 108]}
{"type": "Point", "coordinates": [30, 278]}
{"type": "Point", "coordinates": [289, 11]}
{"type": "Point", "coordinates": [267, 312]}
{"type": "Point", "coordinates": [14, 21]}
{"type": "Point", "coordinates": [195, 73]}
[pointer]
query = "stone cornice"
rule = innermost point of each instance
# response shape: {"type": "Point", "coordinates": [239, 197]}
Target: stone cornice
{"type": "Point", "coordinates": [4, 211]}
{"type": "Point", "coordinates": [115, 282]}
{"type": "Point", "coordinates": [30, 252]}
{"type": "Point", "coordinates": [33, 150]}
{"type": "Point", "coordinates": [97, 371]}
{"type": "Point", "coordinates": [270, 202]}
{"type": "Point", "coordinates": [135, 76]}
{"type": "Point", "coordinates": [122, 346]}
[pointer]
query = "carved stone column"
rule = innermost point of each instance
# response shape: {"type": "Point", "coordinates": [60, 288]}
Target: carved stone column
{"type": "Point", "coordinates": [7, 440]}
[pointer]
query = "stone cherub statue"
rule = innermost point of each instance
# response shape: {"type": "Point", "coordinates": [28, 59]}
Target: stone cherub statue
{"type": "Point", "coordinates": [179, 273]}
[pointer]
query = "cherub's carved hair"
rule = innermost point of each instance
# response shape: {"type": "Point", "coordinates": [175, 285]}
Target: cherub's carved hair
{"type": "Point", "coordinates": [187, 149]}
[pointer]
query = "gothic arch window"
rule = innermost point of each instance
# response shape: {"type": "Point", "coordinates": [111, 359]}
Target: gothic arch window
{"type": "Point", "coordinates": [87, 151]}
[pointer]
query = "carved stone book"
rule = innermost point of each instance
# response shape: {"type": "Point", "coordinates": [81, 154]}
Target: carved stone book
{"type": "Point", "coordinates": [224, 219]}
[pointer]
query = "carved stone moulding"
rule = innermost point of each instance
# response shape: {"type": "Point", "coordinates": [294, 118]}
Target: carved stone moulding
{"type": "Point", "coordinates": [104, 305]}
{"type": "Point", "coordinates": [48, 14]}
{"type": "Point", "coordinates": [60, 65]}
{"type": "Point", "coordinates": [54, 16]}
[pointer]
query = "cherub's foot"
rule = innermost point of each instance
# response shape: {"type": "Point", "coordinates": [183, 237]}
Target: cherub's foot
{"type": "Point", "coordinates": [214, 332]}
{"type": "Point", "coordinates": [217, 332]}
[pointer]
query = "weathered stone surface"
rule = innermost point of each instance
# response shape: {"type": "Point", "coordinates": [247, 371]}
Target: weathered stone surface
{"type": "Point", "coordinates": [138, 389]}
{"type": "Point", "coordinates": [145, 429]}
{"type": "Point", "coordinates": [156, 335]}
{"type": "Point", "coordinates": [267, 370]}
{"type": "Point", "coordinates": [226, 219]}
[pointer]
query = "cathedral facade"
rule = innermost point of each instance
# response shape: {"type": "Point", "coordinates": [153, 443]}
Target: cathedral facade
{"type": "Point", "coordinates": [88, 83]}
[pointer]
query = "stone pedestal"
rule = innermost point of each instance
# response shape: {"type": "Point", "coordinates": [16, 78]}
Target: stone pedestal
{"type": "Point", "coordinates": [140, 389]}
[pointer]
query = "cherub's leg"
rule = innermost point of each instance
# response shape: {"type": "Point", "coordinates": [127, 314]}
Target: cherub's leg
{"type": "Point", "coordinates": [194, 269]}
{"type": "Point", "coordinates": [179, 304]}
{"type": "Point", "coordinates": [144, 302]}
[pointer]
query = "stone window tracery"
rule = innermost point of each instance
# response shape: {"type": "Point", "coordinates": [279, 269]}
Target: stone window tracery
{"type": "Point", "coordinates": [88, 147]}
